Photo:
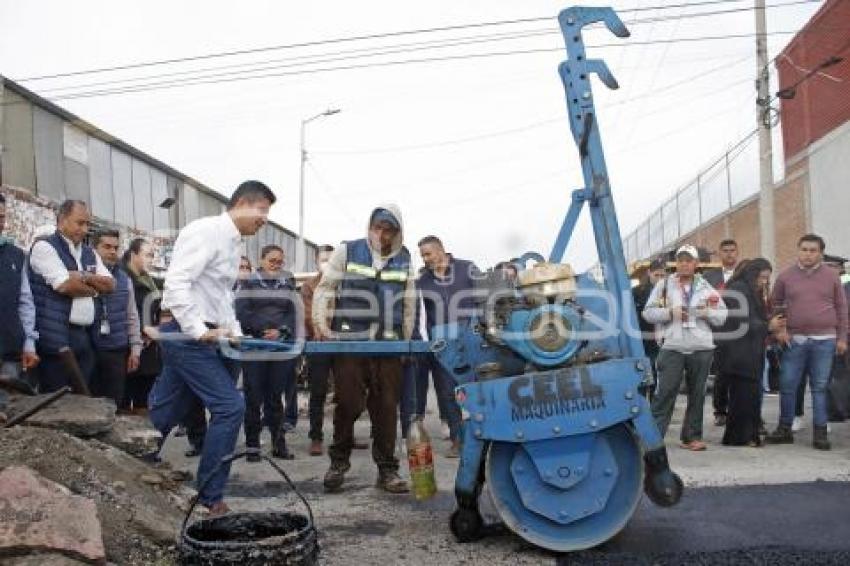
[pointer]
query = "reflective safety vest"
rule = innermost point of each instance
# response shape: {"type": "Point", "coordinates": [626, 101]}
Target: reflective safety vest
{"type": "Point", "coordinates": [370, 302]}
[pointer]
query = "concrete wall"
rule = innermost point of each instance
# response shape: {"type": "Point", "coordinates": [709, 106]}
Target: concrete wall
{"type": "Point", "coordinates": [829, 170]}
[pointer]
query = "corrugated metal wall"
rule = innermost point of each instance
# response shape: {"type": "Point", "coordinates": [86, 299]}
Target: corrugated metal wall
{"type": "Point", "coordinates": [48, 155]}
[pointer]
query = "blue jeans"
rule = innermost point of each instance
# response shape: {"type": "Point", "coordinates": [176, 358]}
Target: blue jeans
{"type": "Point", "coordinates": [444, 384]}
{"type": "Point", "coordinates": [192, 369]}
{"type": "Point", "coordinates": [812, 357]}
{"type": "Point", "coordinates": [414, 392]}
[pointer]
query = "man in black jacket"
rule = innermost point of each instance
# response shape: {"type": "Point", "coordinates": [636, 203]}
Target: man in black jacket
{"type": "Point", "coordinates": [718, 278]}
{"type": "Point", "coordinates": [265, 307]}
{"type": "Point", "coordinates": [446, 284]}
{"type": "Point", "coordinates": [17, 311]}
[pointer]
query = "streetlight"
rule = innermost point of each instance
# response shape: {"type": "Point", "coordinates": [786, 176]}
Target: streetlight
{"type": "Point", "coordinates": [300, 250]}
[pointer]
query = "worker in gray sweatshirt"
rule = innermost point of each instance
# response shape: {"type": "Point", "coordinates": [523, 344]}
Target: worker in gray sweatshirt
{"type": "Point", "coordinates": [686, 307]}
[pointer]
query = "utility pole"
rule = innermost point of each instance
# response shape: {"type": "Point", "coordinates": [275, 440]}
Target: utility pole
{"type": "Point", "coordinates": [766, 209]}
{"type": "Point", "coordinates": [300, 248]}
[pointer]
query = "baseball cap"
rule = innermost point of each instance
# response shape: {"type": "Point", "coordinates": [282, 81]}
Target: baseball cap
{"type": "Point", "coordinates": [688, 249]}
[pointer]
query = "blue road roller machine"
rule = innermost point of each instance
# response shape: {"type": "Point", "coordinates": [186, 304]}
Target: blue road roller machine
{"type": "Point", "coordinates": [550, 377]}
{"type": "Point", "coordinates": [551, 372]}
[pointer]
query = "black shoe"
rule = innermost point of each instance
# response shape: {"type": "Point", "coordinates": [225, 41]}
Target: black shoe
{"type": "Point", "coordinates": [283, 453]}
{"type": "Point", "coordinates": [193, 452]}
{"type": "Point", "coordinates": [820, 439]}
{"type": "Point", "coordinates": [782, 435]}
{"type": "Point", "coordinates": [151, 457]}
{"type": "Point", "coordinates": [253, 454]}
{"type": "Point", "coordinates": [335, 476]}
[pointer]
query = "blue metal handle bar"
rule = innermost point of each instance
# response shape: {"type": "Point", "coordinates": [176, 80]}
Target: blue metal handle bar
{"type": "Point", "coordinates": [347, 347]}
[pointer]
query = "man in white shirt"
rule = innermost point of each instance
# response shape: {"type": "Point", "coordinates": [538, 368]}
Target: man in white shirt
{"type": "Point", "coordinates": [199, 294]}
{"type": "Point", "coordinates": [65, 275]}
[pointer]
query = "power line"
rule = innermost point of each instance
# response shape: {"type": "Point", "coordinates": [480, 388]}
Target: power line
{"type": "Point", "coordinates": [650, 93]}
{"type": "Point", "coordinates": [178, 84]}
{"type": "Point", "coordinates": [343, 55]}
{"type": "Point", "coordinates": [348, 39]}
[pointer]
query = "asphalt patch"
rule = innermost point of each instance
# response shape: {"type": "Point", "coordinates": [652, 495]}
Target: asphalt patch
{"type": "Point", "coordinates": [805, 523]}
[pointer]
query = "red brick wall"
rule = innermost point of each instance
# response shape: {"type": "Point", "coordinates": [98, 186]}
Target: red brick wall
{"type": "Point", "coordinates": [821, 104]}
{"type": "Point", "coordinates": [790, 213]}
{"type": "Point", "coordinates": [744, 228]}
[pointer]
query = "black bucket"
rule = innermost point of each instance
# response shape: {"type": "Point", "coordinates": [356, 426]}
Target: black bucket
{"type": "Point", "coordinates": [249, 539]}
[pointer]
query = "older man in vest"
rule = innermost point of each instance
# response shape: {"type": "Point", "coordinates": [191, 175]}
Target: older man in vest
{"type": "Point", "coordinates": [65, 275]}
{"type": "Point", "coordinates": [368, 287]}
{"type": "Point", "coordinates": [116, 332]}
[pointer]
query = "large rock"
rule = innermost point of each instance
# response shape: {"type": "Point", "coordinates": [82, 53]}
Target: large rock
{"type": "Point", "coordinates": [38, 515]}
{"type": "Point", "coordinates": [140, 521]}
{"type": "Point", "coordinates": [75, 414]}
{"type": "Point", "coordinates": [133, 434]}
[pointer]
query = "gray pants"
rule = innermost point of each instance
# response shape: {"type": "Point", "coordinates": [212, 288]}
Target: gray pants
{"type": "Point", "coordinates": [672, 367]}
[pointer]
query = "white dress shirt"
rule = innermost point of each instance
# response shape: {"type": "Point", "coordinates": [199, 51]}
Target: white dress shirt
{"type": "Point", "coordinates": [45, 261]}
{"type": "Point", "coordinates": [199, 282]}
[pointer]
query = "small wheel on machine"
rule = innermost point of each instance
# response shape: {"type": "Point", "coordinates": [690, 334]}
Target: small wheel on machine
{"type": "Point", "coordinates": [466, 524]}
{"type": "Point", "coordinates": [664, 489]}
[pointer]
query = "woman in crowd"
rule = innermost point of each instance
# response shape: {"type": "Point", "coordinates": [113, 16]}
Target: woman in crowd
{"type": "Point", "coordinates": [265, 307]}
{"type": "Point", "coordinates": [137, 262]}
{"type": "Point", "coordinates": [742, 352]}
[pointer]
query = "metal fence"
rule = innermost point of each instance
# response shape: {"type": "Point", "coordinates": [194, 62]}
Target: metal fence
{"type": "Point", "coordinates": [722, 185]}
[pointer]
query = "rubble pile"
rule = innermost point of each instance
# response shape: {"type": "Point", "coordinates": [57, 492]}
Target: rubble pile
{"type": "Point", "coordinates": [72, 490]}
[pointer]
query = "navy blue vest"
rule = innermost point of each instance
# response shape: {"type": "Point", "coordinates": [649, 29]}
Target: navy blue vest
{"type": "Point", "coordinates": [354, 311]}
{"type": "Point", "coordinates": [53, 309]}
{"type": "Point", "coordinates": [115, 304]}
{"type": "Point", "coordinates": [11, 329]}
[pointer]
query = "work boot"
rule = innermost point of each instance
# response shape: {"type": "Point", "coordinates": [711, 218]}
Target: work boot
{"type": "Point", "coordinates": [316, 448]}
{"type": "Point", "coordinates": [280, 450]}
{"type": "Point", "coordinates": [782, 435]}
{"type": "Point", "coordinates": [820, 439]}
{"type": "Point", "coordinates": [335, 476]}
{"type": "Point", "coordinates": [390, 482]}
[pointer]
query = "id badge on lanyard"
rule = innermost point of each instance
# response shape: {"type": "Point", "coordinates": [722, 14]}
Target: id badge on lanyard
{"type": "Point", "coordinates": [687, 320]}
{"type": "Point", "coordinates": [104, 320]}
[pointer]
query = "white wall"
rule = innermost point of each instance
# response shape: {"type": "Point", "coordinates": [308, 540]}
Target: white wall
{"type": "Point", "coordinates": [829, 173]}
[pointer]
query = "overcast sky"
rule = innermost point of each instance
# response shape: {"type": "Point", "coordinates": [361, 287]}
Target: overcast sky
{"type": "Point", "coordinates": [477, 150]}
